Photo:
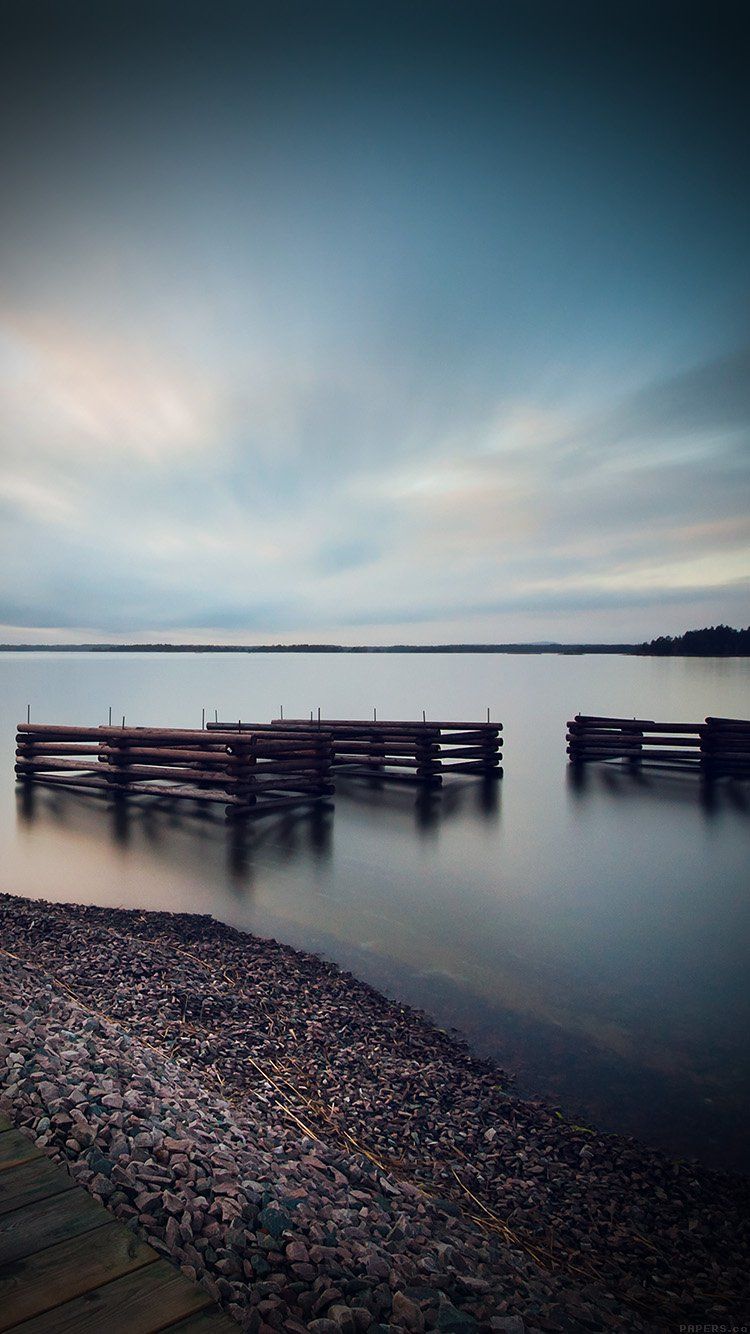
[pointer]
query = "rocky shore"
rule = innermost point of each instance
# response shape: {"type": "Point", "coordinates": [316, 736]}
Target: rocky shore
{"type": "Point", "coordinates": [323, 1159]}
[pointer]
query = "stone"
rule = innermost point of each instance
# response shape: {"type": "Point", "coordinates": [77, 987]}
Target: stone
{"type": "Point", "coordinates": [452, 1321]}
{"type": "Point", "coordinates": [342, 1318]}
{"type": "Point", "coordinates": [274, 1221]}
{"type": "Point", "coordinates": [362, 1317]}
{"type": "Point", "coordinates": [405, 1312]}
{"type": "Point", "coordinates": [297, 1252]}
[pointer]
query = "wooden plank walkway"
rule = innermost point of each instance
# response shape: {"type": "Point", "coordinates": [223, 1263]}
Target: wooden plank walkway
{"type": "Point", "coordinates": [68, 1267]}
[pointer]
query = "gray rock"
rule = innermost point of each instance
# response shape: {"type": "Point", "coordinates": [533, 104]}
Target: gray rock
{"type": "Point", "coordinates": [274, 1221]}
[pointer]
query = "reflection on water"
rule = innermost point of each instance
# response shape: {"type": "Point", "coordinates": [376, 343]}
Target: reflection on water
{"type": "Point", "coordinates": [308, 832]}
{"type": "Point", "coordinates": [588, 928]}
{"type": "Point", "coordinates": [707, 796]}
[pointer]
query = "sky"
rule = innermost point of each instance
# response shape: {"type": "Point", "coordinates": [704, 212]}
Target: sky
{"type": "Point", "coordinates": [373, 322]}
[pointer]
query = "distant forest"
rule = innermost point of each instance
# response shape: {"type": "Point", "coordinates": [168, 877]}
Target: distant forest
{"type": "Point", "coordinates": [716, 641]}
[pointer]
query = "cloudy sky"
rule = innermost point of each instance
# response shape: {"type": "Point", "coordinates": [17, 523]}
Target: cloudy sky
{"type": "Point", "coordinates": [373, 322]}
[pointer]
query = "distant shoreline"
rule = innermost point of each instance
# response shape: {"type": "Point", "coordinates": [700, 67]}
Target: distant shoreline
{"type": "Point", "coordinates": [640, 650]}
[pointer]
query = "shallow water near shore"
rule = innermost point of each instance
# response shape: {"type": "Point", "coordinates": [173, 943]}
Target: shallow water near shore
{"type": "Point", "coordinates": [592, 937]}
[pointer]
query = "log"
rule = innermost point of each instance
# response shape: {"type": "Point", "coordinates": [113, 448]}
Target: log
{"type": "Point", "coordinates": [388, 776]}
{"type": "Point", "coordinates": [56, 747]}
{"type": "Point", "coordinates": [626, 747]}
{"type": "Point", "coordinates": [392, 761]}
{"type": "Point", "coordinates": [140, 735]}
{"type": "Point", "coordinates": [389, 724]}
{"type": "Point", "coordinates": [732, 724]}
{"type": "Point", "coordinates": [604, 739]}
{"type": "Point", "coordinates": [637, 724]}
{"type": "Point", "coordinates": [41, 761]}
{"type": "Point", "coordinates": [66, 766]}
{"type": "Point", "coordinates": [226, 773]}
{"type": "Point", "coordinates": [284, 752]}
{"type": "Point", "coordinates": [366, 734]}
{"type": "Point", "coordinates": [489, 736]}
{"type": "Point", "coordinates": [54, 732]}
{"type": "Point", "coordinates": [181, 793]}
{"type": "Point", "coordinates": [163, 754]}
{"type": "Point", "coordinates": [473, 753]}
{"type": "Point", "coordinates": [135, 789]}
{"type": "Point", "coordinates": [687, 743]}
{"type": "Point", "coordinates": [71, 782]}
{"type": "Point", "coordinates": [581, 729]}
{"type": "Point", "coordinates": [645, 741]}
{"type": "Point", "coordinates": [99, 786]}
{"type": "Point", "coordinates": [489, 770]}
{"type": "Point", "coordinates": [391, 747]}
{"type": "Point", "coordinates": [729, 741]}
{"type": "Point", "coordinates": [198, 776]}
{"type": "Point", "coordinates": [219, 764]}
{"type": "Point", "coordinates": [587, 757]}
{"type": "Point", "coordinates": [292, 766]}
{"type": "Point", "coordinates": [607, 733]}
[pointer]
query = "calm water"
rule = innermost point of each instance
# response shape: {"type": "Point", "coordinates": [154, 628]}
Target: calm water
{"type": "Point", "coordinates": [594, 939]}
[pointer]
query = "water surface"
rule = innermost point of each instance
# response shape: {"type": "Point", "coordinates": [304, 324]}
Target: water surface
{"type": "Point", "coordinates": [593, 938]}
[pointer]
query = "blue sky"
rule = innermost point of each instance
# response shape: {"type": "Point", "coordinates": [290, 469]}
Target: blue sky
{"type": "Point", "coordinates": [384, 322]}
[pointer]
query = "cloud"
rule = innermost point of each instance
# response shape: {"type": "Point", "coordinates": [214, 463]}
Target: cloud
{"type": "Point", "coordinates": [70, 397]}
{"type": "Point", "coordinates": [336, 556]}
{"type": "Point", "coordinates": [709, 398]}
{"type": "Point", "coordinates": [34, 501]}
{"type": "Point", "coordinates": [267, 498]}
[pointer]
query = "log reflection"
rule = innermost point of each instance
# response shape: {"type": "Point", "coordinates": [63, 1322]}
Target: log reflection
{"type": "Point", "coordinates": [588, 783]}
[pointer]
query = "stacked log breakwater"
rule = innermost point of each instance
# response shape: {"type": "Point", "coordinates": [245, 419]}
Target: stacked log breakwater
{"type": "Point", "coordinates": [716, 747]}
{"type": "Point", "coordinates": [249, 773]}
{"type": "Point", "coordinates": [412, 751]}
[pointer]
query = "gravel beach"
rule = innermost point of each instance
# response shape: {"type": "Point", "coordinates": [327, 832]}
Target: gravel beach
{"type": "Point", "coordinates": [322, 1158]}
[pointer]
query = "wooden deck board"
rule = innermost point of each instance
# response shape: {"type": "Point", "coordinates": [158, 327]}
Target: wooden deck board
{"type": "Point", "coordinates": [208, 1321]}
{"type": "Point", "coordinates": [25, 1231]}
{"type": "Point", "coordinates": [147, 1300]}
{"type": "Point", "coordinates": [33, 1180]}
{"type": "Point", "coordinates": [68, 1267]}
{"type": "Point", "coordinates": [42, 1281]}
{"type": "Point", "coordinates": [15, 1149]}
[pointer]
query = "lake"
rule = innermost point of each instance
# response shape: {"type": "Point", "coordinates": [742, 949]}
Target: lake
{"type": "Point", "coordinates": [591, 937]}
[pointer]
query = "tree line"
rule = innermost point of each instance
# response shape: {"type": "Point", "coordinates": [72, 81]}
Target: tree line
{"type": "Point", "coordinates": [715, 641]}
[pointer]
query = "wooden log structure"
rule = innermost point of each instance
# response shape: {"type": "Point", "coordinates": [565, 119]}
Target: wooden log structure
{"type": "Point", "coordinates": [725, 747]}
{"type": "Point", "coordinates": [251, 772]}
{"type": "Point", "coordinates": [420, 752]}
{"type": "Point", "coordinates": [717, 747]}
